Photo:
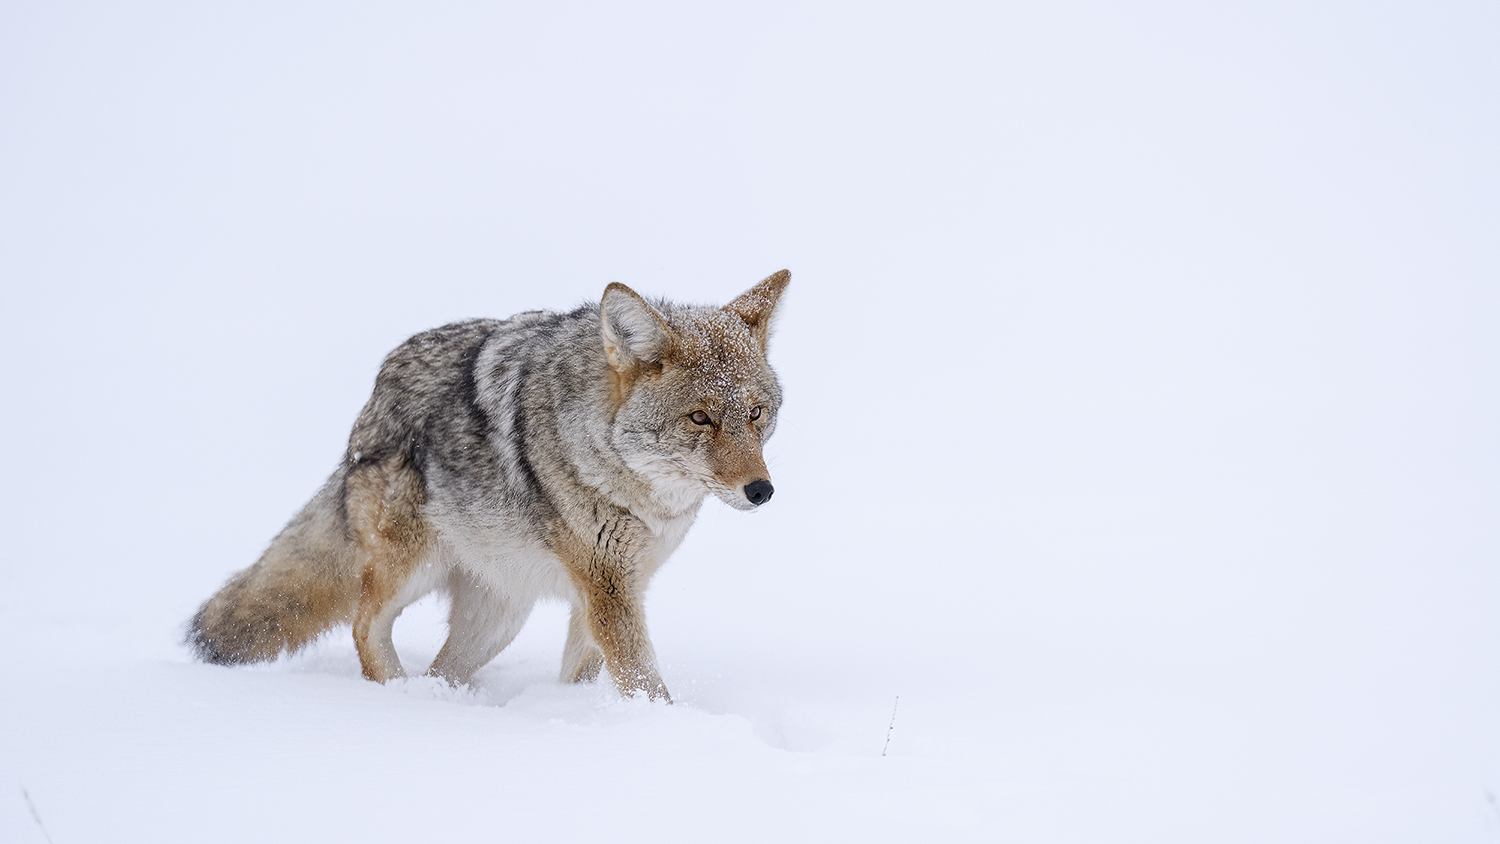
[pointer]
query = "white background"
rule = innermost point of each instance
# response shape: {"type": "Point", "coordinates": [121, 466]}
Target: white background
{"type": "Point", "coordinates": [1141, 429]}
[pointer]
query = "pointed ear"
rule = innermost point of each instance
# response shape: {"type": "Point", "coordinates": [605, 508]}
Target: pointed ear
{"type": "Point", "coordinates": [757, 305]}
{"type": "Point", "coordinates": [633, 331]}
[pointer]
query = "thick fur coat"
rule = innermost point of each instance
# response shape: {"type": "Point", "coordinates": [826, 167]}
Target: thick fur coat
{"type": "Point", "coordinates": [549, 455]}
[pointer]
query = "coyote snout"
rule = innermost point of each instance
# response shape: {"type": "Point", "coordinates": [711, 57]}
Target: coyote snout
{"type": "Point", "coordinates": [759, 492]}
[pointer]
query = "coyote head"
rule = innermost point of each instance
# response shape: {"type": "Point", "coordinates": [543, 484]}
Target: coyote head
{"type": "Point", "coordinates": [693, 395]}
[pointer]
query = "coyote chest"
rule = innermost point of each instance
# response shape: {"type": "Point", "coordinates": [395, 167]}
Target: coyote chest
{"type": "Point", "coordinates": [555, 455]}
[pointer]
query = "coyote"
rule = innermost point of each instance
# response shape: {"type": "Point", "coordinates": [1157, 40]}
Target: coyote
{"type": "Point", "coordinates": [549, 455]}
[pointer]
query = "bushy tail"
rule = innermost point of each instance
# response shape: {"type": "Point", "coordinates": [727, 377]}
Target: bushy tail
{"type": "Point", "coordinates": [305, 583]}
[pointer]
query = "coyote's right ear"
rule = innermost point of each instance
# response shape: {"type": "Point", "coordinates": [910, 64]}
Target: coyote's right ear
{"type": "Point", "coordinates": [634, 332]}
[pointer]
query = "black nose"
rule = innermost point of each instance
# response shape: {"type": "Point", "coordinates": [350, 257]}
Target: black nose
{"type": "Point", "coordinates": [759, 492]}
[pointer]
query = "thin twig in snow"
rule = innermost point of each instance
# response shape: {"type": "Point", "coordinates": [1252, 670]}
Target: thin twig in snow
{"type": "Point", "coordinates": [35, 815]}
{"type": "Point", "coordinates": [892, 727]}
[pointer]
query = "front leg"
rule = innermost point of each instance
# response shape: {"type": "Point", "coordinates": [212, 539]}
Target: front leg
{"type": "Point", "coordinates": [581, 657]}
{"type": "Point", "coordinates": [618, 625]}
{"type": "Point", "coordinates": [611, 581]}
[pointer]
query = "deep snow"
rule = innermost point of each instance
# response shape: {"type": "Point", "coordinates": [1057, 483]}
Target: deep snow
{"type": "Point", "coordinates": [1140, 423]}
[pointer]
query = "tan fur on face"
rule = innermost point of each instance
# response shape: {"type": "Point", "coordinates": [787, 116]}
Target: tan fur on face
{"type": "Point", "coordinates": [735, 456]}
{"type": "Point", "coordinates": [724, 358]}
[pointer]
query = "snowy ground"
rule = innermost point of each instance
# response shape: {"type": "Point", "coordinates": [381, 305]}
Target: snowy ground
{"type": "Point", "coordinates": [1140, 437]}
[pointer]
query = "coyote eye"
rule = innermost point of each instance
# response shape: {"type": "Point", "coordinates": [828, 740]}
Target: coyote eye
{"type": "Point", "coordinates": [755, 413]}
{"type": "Point", "coordinates": [700, 418]}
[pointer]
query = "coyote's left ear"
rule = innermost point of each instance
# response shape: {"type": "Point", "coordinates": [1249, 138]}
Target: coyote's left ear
{"type": "Point", "coordinates": [757, 305]}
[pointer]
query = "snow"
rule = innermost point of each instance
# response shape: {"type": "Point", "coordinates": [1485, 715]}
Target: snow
{"type": "Point", "coordinates": [1139, 433]}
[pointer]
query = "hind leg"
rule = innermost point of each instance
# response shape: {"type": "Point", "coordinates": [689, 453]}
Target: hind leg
{"type": "Point", "coordinates": [372, 632]}
{"type": "Point", "coordinates": [481, 622]}
{"type": "Point", "coordinates": [387, 586]}
{"type": "Point", "coordinates": [392, 540]}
